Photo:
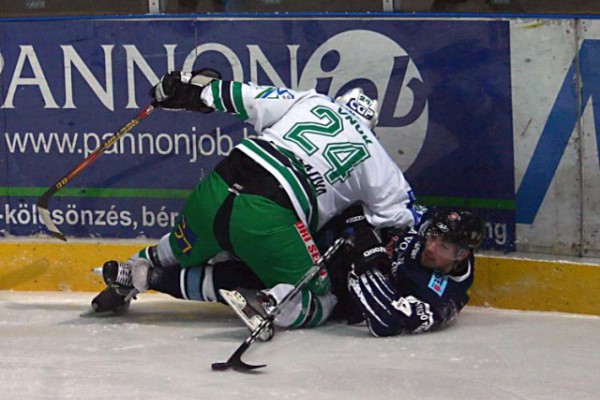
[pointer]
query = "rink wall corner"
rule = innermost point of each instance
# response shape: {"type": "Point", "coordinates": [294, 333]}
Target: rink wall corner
{"type": "Point", "coordinates": [508, 282]}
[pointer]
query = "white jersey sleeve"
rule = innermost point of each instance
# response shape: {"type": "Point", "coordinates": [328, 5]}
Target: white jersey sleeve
{"type": "Point", "coordinates": [260, 106]}
{"type": "Point", "coordinates": [388, 197]}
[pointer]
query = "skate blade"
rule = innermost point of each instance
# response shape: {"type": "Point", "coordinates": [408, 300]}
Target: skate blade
{"type": "Point", "coordinates": [91, 313]}
{"type": "Point", "coordinates": [237, 302]}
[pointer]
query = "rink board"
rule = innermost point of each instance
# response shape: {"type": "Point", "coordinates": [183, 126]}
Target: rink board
{"type": "Point", "coordinates": [501, 282]}
{"type": "Point", "coordinates": [496, 115]}
{"type": "Point", "coordinates": [499, 116]}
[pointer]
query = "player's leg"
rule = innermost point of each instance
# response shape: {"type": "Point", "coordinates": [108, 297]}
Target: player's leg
{"type": "Point", "coordinates": [191, 243]}
{"type": "Point", "coordinates": [202, 283]}
{"type": "Point", "coordinates": [280, 250]}
{"type": "Point", "coordinates": [199, 283]}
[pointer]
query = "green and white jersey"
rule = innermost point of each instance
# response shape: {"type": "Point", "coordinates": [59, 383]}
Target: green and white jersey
{"type": "Point", "coordinates": [340, 156]}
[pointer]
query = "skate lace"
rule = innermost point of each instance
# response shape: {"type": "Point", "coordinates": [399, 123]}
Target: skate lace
{"type": "Point", "coordinates": [124, 274]}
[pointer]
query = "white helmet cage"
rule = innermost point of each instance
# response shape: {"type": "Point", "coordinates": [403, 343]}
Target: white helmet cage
{"type": "Point", "coordinates": [364, 107]}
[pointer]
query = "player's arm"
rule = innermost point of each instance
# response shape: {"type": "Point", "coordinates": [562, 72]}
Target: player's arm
{"type": "Point", "coordinates": [386, 311]}
{"type": "Point", "coordinates": [205, 91]}
{"type": "Point", "coordinates": [389, 313]}
{"type": "Point", "coordinates": [389, 198]}
{"type": "Point", "coordinates": [260, 106]}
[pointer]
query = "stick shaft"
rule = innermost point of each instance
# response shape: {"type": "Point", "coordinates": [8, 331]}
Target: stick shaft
{"type": "Point", "coordinates": [42, 203]}
{"type": "Point", "coordinates": [96, 153]}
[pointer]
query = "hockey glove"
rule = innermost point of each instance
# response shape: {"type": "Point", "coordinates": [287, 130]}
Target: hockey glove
{"type": "Point", "coordinates": [368, 252]}
{"type": "Point", "coordinates": [180, 90]}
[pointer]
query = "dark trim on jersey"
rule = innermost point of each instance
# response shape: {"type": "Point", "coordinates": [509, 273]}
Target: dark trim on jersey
{"type": "Point", "coordinates": [244, 175]}
{"type": "Point", "coordinates": [226, 96]}
{"type": "Point", "coordinates": [465, 273]}
{"type": "Point", "coordinates": [300, 176]}
{"type": "Point", "coordinates": [298, 187]}
{"type": "Point", "coordinates": [222, 223]}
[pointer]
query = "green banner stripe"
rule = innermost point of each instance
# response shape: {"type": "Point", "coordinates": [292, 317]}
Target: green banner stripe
{"type": "Point", "coordinates": [495, 204]}
{"type": "Point", "coordinates": [98, 192]}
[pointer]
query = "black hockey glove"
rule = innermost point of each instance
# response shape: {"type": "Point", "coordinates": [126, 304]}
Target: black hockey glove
{"type": "Point", "coordinates": [368, 252]}
{"type": "Point", "coordinates": [179, 90]}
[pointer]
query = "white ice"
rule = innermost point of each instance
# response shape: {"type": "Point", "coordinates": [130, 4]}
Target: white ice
{"type": "Point", "coordinates": [163, 349]}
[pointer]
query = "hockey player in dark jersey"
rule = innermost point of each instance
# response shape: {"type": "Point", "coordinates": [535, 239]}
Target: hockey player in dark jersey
{"type": "Point", "coordinates": [420, 281]}
{"type": "Point", "coordinates": [417, 282]}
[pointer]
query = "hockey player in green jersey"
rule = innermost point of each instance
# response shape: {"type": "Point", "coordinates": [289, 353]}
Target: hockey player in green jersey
{"type": "Point", "coordinates": [313, 157]}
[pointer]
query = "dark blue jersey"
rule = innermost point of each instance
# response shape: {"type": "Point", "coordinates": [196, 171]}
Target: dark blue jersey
{"type": "Point", "coordinates": [412, 298]}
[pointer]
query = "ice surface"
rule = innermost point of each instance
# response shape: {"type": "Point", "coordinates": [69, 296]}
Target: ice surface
{"type": "Point", "coordinates": [163, 348]}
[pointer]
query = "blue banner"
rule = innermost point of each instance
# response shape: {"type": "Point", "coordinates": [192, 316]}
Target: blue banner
{"type": "Point", "coordinates": [443, 87]}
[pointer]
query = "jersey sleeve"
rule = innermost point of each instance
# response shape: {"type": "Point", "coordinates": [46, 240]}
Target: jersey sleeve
{"type": "Point", "coordinates": [389, 198]}
{"type": "Point", "coordinates": [390, 205]}
{"type": "Point", "coordinates": [260, 106]}
{"type": "Point", "coordinates": [388, 313]}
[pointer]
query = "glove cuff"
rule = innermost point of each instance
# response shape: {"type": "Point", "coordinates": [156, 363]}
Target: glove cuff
{"type": "Point", "coordinates": [201, 80]}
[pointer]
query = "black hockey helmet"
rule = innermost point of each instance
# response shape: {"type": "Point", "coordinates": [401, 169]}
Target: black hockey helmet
{"type": "Point", "coordinates": [462, 228]}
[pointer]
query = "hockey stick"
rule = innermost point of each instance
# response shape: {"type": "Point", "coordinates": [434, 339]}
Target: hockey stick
{"type": "Point", "coordinates": [235, 361]}
{"type": "Point", "coordinates": [42, 204]}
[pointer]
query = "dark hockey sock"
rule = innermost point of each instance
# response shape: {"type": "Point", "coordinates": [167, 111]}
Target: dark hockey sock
{"type": "Point", "coordinates": [166, 280]}
{"type": "Point", "coordinates": [202, 283]}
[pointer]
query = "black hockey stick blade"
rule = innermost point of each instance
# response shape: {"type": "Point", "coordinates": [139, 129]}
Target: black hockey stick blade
{"type": "Point", "coordinates": [235, 361]}
{"type": "Point", "coordinates": [237, 365]}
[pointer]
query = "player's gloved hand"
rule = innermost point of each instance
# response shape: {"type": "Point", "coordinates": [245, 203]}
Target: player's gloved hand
{"type": "Point", "coordinates": [368, 252]}
{"type": "Point", "coordinates": [180, 90]}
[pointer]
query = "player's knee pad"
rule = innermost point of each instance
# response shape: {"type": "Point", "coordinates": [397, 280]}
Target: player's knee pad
{"type": "Point", "coordinates": [159, 255]}
{"type": "Point", "coordinates": [164, 253]}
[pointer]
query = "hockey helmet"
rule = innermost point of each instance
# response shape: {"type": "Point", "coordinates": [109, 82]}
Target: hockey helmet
{"type": "Point", "coordinates": [364, 107]}
{"type": "Point", "coordinates": [461, 228]}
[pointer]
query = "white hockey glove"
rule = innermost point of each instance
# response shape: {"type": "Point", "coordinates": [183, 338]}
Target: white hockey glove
{"type": "Point", "coordinates": [180, 90]}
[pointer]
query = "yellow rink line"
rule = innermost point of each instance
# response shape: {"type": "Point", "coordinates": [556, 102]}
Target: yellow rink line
{"type": "Point", "coordinates": [501, 282]}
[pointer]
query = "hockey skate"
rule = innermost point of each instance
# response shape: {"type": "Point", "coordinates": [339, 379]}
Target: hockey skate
{"type": "Point", "coordinates": [250, 305]}
{"type": "Point", "coordinates": [119, 292]}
